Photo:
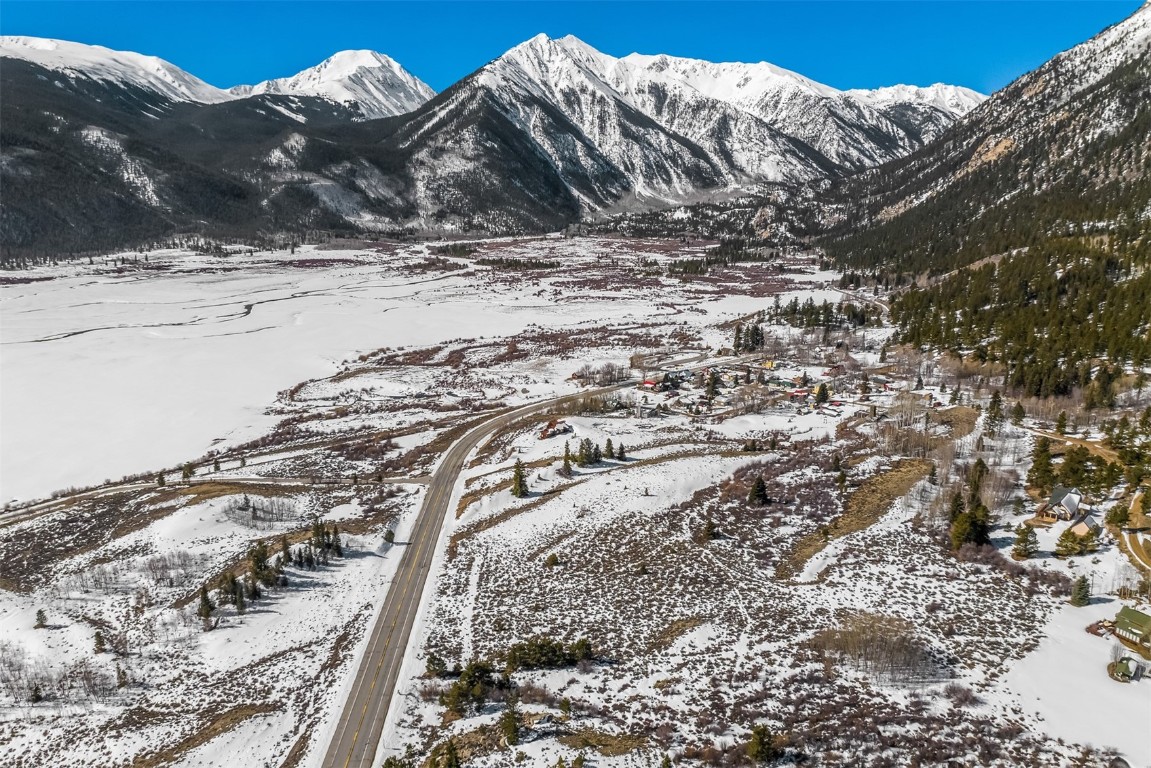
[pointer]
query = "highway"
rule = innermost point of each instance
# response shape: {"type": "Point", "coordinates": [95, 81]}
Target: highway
{"type": "Point", "coordinates": [361, 723]}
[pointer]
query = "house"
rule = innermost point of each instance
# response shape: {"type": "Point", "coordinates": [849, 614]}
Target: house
{"type": "Point", "coordinates": [555, 427]}
{"type": "Point", "coordinates": [1124, 668]}
{"type": "Point", "coordinates": [1087, 524]}
{"type": "Point", "coordinates": [1063, 504]}
{"type": "Point", "coordinates": [1133, 626]}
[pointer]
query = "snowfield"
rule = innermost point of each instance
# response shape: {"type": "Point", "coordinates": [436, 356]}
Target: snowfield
{"type": "Point", "coordinates": [146, 368]}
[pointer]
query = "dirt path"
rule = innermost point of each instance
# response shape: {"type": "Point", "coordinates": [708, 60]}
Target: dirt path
{"type": "Point", "coordinates": [1139, 552]}
{"type": "Point", "coordinates": [1096, 449]}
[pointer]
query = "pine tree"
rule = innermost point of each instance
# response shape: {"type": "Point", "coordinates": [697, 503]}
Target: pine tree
{"type": "Point", "coordinates": [757, 496]}
{"type": "Point", "coordinates": [451, 758]}
{"type": "Point", "coordinates": [821, 394]}
{"type": "Point", "coordinates": [41, 619]}
{"type": "Point", "coordinates": [584, 454]}
{"type": "Point", "coordinates": [435, 666]}
{"type": "Point", "coordinates": [160, 480]}
{"type": "Point", "coordinates": [608, 449]}
{"type": "Point", "coordinates": [285, 548]}
{"type": "Point", "coordinates": [566, 469]}
{"type": "Point", "coordinates": [215, 465]}
{"type": "Point", "coordinates": [957, 507]}
{"type": "Point", "coordinates": [971, 527]}
{"type": "Point", "coordinates": [1042, 474]}
{"type": "Point", "coordinates": [961, 530]}
{"type": "Point", "coordinates": [620, 453]}
{"type": "Point", "coordinates": [100, 646]}
{"type": "Point", "coordinates": [1067, 544]}
{"type": "Point", "coordinates": [710, 530]}
{"type": "Point", "coordinates": [510, 724]}
{"type": "Point", "coordinates": [665, 763]}
{"type": "Point", "coordinates": [1061, 423]}
{"type": "Point", "coordinates": [251, 589]}
{"type": "Point", "coordinates": [519, 481]}
{"type": "Point", "coordinates": [975, 480]}
{"type": "Point", "coordinates": [206, 607]}
{"type": "Point", "coordinates": [187, 472]}
{"type": "Point", "coordinates": [761, 747]}
{"type": "Point", "coordinates": [596, 455]}
{"type": "Point", "coordinates": [1017, 413]}
{"type": "Point", "coordinates": [919, 382]}
{"type": "Point", "coordinates": [995, 412]}
{"type": "Point", "coordinates": [1026, 542]}
{"type": "Point", "coordinates": [258, 557]}
{"type": "Point", "coordinates": [1081, 592]}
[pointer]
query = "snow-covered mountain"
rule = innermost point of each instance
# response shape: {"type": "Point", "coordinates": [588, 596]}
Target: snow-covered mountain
{"type": "Point", "coordinates": [368, 83]}
{"type": "Point", "coordinates": [1064, 147]}
{"type": "Point", "coordinates": [120, 68]}
{"type": "Point", "coordinates": [549, 132]}
{"type": "Point", "coordinates": [854, 129]}
{"type": "Point", "coordinates": [661, 129]}
{"type": "Point", "coordinates": [371, 81]}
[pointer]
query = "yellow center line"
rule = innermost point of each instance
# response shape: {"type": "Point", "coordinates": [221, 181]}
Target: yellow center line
{"type": "Point", "coordinates": [388, 641]}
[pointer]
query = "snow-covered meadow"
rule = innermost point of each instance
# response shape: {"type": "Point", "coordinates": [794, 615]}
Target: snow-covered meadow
{"type": "Point", "coordinates": [112, 369]}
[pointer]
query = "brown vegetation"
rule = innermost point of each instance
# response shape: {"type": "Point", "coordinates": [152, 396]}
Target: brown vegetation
{"type": "Point", "coordinates": [216, 725]}
{"type": "Point", "coordinates": [863, 508]}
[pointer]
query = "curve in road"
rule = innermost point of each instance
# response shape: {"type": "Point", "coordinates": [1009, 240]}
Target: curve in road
{"type": "Point", "coordinates": [361, 722]}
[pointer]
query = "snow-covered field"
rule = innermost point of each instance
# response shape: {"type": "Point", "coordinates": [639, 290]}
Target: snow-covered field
{"type": "Point", "coordinates": [108, 372]}
{"type": "Point", "coordinates": [708, 613]}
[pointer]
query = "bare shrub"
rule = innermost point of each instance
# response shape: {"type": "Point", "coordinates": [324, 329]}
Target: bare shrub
{"type": "Point", "coordinates": [259, 513]}
{"type": "Point", "coordinates": [883, 647]}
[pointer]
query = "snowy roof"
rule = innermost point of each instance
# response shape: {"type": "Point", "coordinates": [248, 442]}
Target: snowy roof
{"type": "Point", "coordinates": [1068, 497]}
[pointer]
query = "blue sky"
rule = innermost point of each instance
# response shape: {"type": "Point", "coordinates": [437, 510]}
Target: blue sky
{"type": "Point", "coordinates": [982, 44]}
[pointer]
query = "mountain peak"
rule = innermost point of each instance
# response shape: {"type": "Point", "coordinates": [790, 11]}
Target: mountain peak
{"type": "Point", "coordinates": [370, 80]}
{"type": "Point", "coordinates": [355, 59]}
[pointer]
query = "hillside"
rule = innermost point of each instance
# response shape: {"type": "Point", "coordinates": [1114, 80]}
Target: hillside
{"type": "Point", "coordinates": [1064, 150]}
{"type": "Point", "coordinates": [107, 149]}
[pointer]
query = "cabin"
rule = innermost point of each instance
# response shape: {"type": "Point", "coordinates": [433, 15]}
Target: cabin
{"type": "Point", "coordinates": [1063, 504]}
{"type": "Point", "coordinates": [1124, 669]}
{"type": "Point", "coordinates": [1133, 626]}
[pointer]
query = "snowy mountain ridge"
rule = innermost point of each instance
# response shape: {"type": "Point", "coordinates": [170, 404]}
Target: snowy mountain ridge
{"type": "Point", "coordinates": [748, 122]}
{"type": "Point", "coordinates": [376, 83]}
{"type": "Point", "coordinates": [95, 62]}
{"type": "Point", "coordinates": [371, 82]}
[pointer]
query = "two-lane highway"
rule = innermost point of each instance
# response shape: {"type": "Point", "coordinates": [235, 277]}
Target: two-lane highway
{"type": "Point", "coordinates": [361, 723]}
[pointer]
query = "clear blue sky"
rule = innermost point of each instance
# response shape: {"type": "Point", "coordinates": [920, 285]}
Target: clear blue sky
{"type": "Point", "coordinates": [982, 44]}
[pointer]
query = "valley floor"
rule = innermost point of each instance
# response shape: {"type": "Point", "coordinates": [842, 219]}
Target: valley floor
{"type": "Point", "coordinates": [271, 391]}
